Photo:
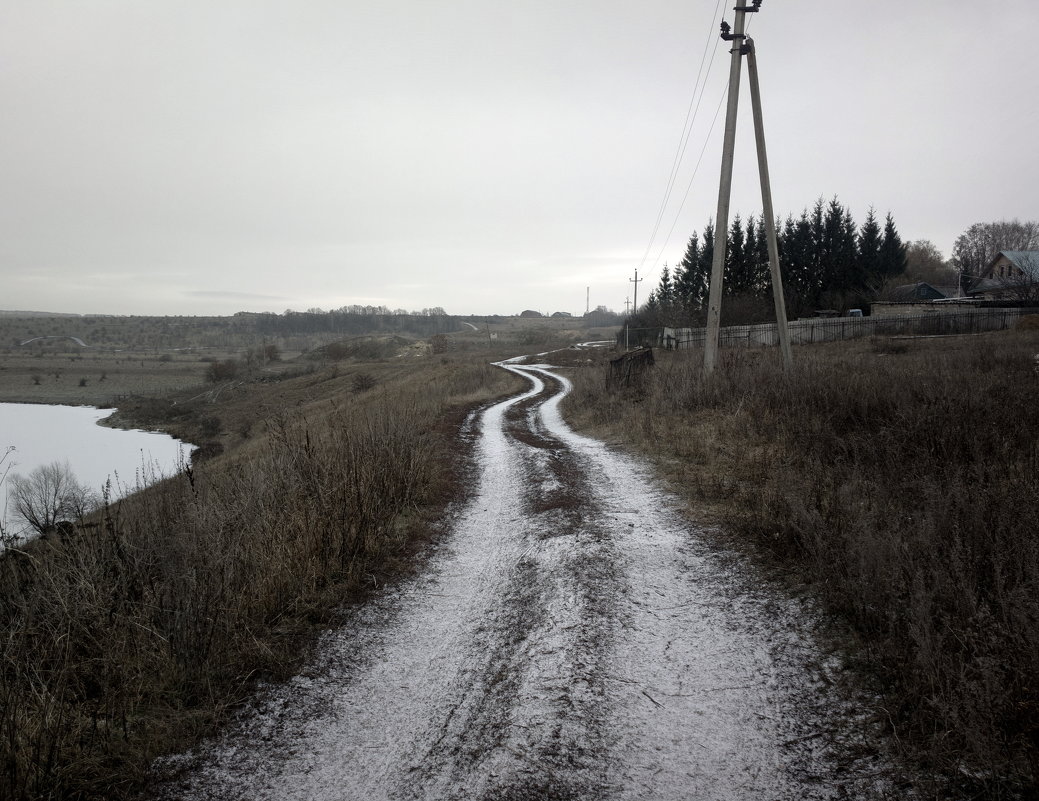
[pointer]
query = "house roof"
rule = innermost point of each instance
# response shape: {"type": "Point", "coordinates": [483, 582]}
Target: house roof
{"type": "Point", "coordinates": [1027, 261]}
{"type": "Point", "coordinates": [919, 291]}
{"type": "Point", "coordinates": [984, 285]}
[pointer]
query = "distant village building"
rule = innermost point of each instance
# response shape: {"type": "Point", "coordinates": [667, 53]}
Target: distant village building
{"type": "Point", "coordinates": [1011, 275]}
{"type": "Point", "coordinates": [914, 293]}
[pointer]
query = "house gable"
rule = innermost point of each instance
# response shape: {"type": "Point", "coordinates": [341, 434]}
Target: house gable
{"type": "Point", "coordinates": [1014, 264]}
{"type": "Point", "coordinates": [1011, 275]}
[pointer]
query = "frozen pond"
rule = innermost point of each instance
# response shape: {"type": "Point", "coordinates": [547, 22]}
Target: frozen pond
{"type": "Point", "coordinates": [41, 434]}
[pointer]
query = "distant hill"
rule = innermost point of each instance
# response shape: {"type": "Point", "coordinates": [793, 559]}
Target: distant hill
{"type": "Point", "coordinates": [14, 313]}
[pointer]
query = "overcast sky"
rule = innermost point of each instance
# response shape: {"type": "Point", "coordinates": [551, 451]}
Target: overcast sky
{"type": "Point", "coordinates": [208, 157]}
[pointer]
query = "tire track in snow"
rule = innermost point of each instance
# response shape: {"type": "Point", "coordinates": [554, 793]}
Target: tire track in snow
{"type": "Point", "coordinates": [572, 639]}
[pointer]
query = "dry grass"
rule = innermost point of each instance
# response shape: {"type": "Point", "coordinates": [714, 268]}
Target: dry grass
{"type": "Point", "coordinates": [138, 633]}
{"type": "Point", "coordinates": [902, 481]}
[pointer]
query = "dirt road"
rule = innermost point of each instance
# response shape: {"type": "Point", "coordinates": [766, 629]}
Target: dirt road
{"type": "Point", "coordinates": [574, 638]}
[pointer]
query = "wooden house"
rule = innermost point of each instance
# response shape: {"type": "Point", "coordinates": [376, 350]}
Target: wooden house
{"type": "Point", "coordinates": [1011, 275]}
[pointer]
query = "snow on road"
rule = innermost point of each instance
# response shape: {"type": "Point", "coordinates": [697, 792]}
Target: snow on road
{"type": "Point", "coordinates": [574, 638]}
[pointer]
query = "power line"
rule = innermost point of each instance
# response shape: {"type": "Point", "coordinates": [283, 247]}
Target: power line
{"type": "Point", "coordinates": [692, 178]}
{"type": "Point", "coordinates": [687, 129]}
{"type": "Point", "coordinates": [689, 186]}
{"type": "Point", "coordinates": [683, 139]}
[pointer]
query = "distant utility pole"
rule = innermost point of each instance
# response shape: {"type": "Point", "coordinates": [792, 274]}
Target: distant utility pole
{"type": "Point", "coordinates": [627, 313]}
{"type": "Point", "coordinates": [587, 300]}
{"type": "Point", "coordinates": [636, 281]}
{"type": "Point", "coordinates": [742, 46]}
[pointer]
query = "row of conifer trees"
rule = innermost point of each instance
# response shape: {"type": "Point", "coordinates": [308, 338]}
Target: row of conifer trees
{"type": "Point", "coordinates": [826, 261]}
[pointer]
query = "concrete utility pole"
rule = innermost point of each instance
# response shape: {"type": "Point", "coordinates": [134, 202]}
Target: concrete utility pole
{"type": "Point", "coordinates": [721, 219]}
{"type": "Point", "coordinates": [741, 46]}
{"type": "Point", "coordinates": [767, 212]}
{"type": "Point", "coordinates": [636, 281]}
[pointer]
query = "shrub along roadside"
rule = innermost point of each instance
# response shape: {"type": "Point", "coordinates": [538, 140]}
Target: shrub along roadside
{"type": "Point", "coordinates": [137, 634]}
{"type": "Point", "coordinates": [903, 484]}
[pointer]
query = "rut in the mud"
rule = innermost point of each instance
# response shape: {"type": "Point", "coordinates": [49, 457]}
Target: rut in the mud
{"type": "Point", "coordinates": [572, 639]}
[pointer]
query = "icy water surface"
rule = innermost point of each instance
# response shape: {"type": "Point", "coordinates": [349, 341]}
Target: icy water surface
{"type": "Point", "coordinates": [42, 434]}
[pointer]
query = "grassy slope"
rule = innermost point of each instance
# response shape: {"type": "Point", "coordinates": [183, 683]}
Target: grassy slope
{"type": "Point", "coordinates": [900, 480]}
{"type": "Point", "coordinates": [137, 635]}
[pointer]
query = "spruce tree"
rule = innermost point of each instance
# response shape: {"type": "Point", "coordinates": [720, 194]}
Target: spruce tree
{"type": "Point", "coordinates": [869, 250]}
{"type": "Point", "coordinates": [705, 260]}
{"type": "Point", "coordinates": [817, 263]}
{"type": "Point", "coordinates": [690, 283]}
{"type": "Point", "coordinates": [666, 297]}
{"type": "Point", "coordinates": [849, 277]}
{"type": "Point", "coordinates": [892, 251]}
{"type": "Point", "coordinates": [797, 253]}
{"type": "Point", "coordinates": [735, 282]}
{"type": "Point", "coordinates": [762, 280]}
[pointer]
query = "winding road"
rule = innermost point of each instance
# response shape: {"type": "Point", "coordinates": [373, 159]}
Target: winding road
{"type": "Point", "coordinates": [575, 637]}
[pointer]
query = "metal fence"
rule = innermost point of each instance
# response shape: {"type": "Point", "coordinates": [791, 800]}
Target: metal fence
{"type": "Point", "coordinates": [831, 329]}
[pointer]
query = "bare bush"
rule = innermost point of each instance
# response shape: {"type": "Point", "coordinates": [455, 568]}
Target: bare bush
{"type": "Point", "coordinates": [439, 343]}
{"type": "Point", "coordinates": [362, 382]}
{"type": "Point", "coordinates": [337, 351]}
{"type": "Point", "coordinates": [50, 495]}
{"type": "Point", "coordinates": [225, 370]}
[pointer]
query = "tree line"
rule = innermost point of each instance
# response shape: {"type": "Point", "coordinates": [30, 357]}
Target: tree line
{"type": "Point", "coordinates": [354, 322]}
{"type": "Point", "coordinates": [826, 261]}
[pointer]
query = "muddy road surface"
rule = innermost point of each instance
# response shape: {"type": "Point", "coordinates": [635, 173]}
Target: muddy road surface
{"type": "Point", "coordinates": [574, 637]}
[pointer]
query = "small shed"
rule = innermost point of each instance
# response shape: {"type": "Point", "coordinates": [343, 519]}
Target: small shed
{"type": "Point", "coordinates": [628, 368]}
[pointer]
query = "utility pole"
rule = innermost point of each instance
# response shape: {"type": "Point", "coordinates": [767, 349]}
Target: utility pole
{"type": "Point", "coordinates": [627, 313]}
{"type": "Point", "coordinates": [636, 281]}
{"type": "Point", "coordinates": [721, 220]}
{"type": "Point", "coordinates": [741, 46]}
{"type": "Point", "coordinates": [766, 203]}
{"type": "Point", "coordinates": [587, 300]}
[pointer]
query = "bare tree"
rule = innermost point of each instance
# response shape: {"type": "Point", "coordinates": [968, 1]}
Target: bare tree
{"type": "Point", "coordinates": [924, 262]}
{"type": "Point", "coordinates": [976, 247]}
{"type": "Point", "coordinates": [50, 495]}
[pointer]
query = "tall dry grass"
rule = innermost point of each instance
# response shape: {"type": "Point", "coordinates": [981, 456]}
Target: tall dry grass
{"type": "Point", "coordinates": [901, 478]}
{"type": "Point", "coordinates": [138, 633]}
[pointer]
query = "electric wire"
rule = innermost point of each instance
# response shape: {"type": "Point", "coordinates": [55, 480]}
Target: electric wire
{"type": "Point", "coordinates": [688, 134]}
{"type": "Point", "coordinates": [696, 169]}
{"type": "Point", "coordinates": [692, 178]}
{"type": "Point", "coordinates": [687, 128]}
{"type": "Point", "coordinates": [683, 139]}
